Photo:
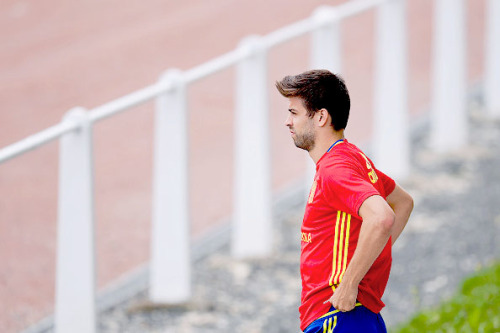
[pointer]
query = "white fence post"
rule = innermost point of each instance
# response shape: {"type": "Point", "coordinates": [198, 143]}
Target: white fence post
{"type": "Point", "coordinates": [75, 279]}
{"type": "Point", "coordinates": [391, 136]}
{"type": "Point", "coordinates": [448, 114]}
{"type": "Point", "coordinates": [325, 38]}
{"type": "Point", "coordinates": [170, 267]}
{"type": "Point", "coordinates": [325, 54]}
{"type": "Point", "coordinates": [492, 63]}
{"type": "Point", "coordinates": [252, 220]}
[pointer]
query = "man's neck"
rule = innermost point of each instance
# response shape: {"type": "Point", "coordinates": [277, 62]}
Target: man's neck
{"type": "Point", "coordinates": [323, 143]}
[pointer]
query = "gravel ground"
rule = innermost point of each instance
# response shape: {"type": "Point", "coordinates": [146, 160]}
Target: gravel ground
{"type": "Point", "coordinates": [454, 230]}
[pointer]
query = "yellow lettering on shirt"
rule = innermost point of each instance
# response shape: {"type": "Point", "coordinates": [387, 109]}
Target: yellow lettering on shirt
{"type": "Point", "coordinates": [372, 175]}
{"type": "Point", "coordinates": [307, 237]}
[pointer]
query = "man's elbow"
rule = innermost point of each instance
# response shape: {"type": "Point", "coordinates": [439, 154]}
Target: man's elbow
{"type": "Point", "coordinates": [411, 204]}
{"type": "Point", "coordinates": [400, 201]}
{"type": "Point", "coordinates": [386, 221]}
{"type": "Point", "coordinates": [408, 204]}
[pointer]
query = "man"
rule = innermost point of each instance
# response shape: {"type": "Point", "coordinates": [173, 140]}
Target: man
{"type": "Point", "coordinates": [353, 215]}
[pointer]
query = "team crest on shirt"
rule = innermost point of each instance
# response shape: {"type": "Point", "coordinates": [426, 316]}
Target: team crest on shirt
{"type": "Point", "coordinates": [313, 191]}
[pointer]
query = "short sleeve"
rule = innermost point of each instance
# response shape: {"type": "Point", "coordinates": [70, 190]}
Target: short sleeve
{"type": "Point", "coordinates": [388, 183]}
{"type": "Point", "coordinates": [347, 187]}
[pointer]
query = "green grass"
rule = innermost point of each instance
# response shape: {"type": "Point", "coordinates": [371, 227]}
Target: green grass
{"type": "Point", "coordinates": [475, 308]}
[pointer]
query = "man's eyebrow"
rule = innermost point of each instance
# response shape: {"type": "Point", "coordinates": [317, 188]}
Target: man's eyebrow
{"type": "Point", "coordinates": [292, 110]}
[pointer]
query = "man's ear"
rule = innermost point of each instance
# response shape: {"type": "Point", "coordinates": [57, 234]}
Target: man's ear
{"type": "Point", "coordinates": [323, 117]}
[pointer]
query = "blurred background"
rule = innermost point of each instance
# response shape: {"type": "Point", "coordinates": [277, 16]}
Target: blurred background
{"type": "Point", "coordinates": [55, 55]}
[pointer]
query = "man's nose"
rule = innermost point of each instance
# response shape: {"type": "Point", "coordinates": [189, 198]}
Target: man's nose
{"type": "Point", "coordinates": [288, 121]}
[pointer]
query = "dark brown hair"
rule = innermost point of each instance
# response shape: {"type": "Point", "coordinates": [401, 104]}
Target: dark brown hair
{"type": "Point", "coordinates": [319, 89]}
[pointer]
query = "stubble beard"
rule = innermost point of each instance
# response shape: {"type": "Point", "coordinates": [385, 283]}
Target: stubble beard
{"type": "Point", "coordinates": [305, 141]}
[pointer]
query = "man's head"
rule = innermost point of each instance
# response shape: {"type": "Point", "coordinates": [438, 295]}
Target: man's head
{"type": "Point", "coordinates": [319, 89]}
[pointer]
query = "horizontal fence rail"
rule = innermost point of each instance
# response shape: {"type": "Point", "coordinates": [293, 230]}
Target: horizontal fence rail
{"type": "Point", "coordinates": [211, 67]}
{"type": "Point", "coordinates": [36, 140]}
{"type": "Point", "coordinates": [75, 298]}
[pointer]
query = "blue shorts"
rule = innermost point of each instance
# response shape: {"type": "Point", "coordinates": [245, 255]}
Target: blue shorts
{"type": "Point", "coordinates": [358, 320]}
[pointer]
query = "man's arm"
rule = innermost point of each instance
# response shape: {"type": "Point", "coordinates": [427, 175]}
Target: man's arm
{"type": "Point", "coordinates": [378, 222]}
{"type": "Point", "coordinates": [402, 205]}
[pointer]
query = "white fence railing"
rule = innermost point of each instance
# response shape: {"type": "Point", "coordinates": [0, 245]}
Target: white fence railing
{"type": "Point", "coordinates": [449, 75]}
{"type": "Point", "coordinates": [75, 289]}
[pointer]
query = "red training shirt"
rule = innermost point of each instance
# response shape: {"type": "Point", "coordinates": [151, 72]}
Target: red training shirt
{"type": "Point", "coordinates": [344, 179]}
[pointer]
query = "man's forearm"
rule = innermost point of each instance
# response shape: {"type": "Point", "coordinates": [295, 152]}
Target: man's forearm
{"type": "Point", "coordinates": [372, 239]}
{"type": "Point", "coordinates": [402, 215]}
{"type": "Point", "coordinates": [378, 220]}
{"type": "Point", "coordinates": [402, 205]}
